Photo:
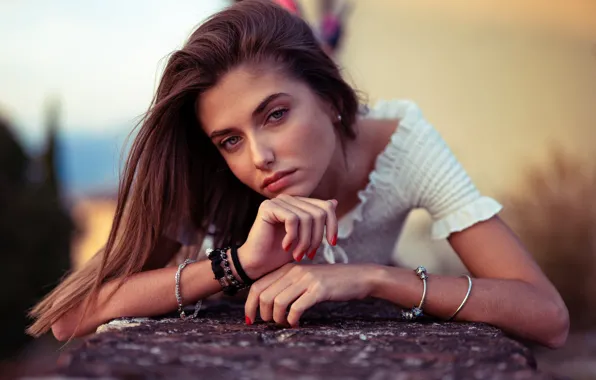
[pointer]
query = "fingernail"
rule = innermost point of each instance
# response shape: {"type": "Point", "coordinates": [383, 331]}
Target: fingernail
{"type": "Point", "coordinates": [312, 254]}
{"type": "Point", "coordinates": [287, 249]}
{"type": "Point", "coordinates": [334, 240]}
{"type": "Point", "coordinates": [299, 259]}
{"type": "Point", "coordinates": [247, 320]}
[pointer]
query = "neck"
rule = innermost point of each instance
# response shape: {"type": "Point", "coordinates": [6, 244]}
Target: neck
{"type": "Point", "coordinates": [343, 178]}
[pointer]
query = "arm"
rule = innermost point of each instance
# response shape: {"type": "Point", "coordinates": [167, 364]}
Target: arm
{"type": "Point", "coordinates": [148, 293]}
{"type": "Point", "coordinates": [510, 293]}
{"type": "Point", "coordinates": [143, 294]}
{"type": "Point", "coordinates": [510, 290]}
{"type": "Point", "coordinates": [281, 232]}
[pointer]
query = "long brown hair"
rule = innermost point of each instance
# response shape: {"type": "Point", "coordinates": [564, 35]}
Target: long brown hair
{"type": "Point", "coordinates": [173, 171]}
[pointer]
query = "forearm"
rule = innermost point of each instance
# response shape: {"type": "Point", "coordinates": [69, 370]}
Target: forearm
{"type": "Point", "coordinates": [153, 293]}
{"type": "Point", "coordinates": [143, 294]}
{"type": "Point", "coordinates": [514, 306]}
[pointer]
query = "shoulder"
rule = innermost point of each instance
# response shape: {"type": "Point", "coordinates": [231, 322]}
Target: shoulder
{"type": "Point", "coordinates": [390, 128]}
{"type": "Point", "coordinates": [419, 168]}
{"type": "Point", "coordinates": [375, 134]}
{"type": "Point", "coordinates": [388, 118]}
{"type": "Point", "coordinates": [404, 110]}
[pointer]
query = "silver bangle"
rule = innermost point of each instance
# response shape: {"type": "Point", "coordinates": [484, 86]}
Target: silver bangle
{"type": "Point", "coordinates": [417, 312]}
{"type": "Point", "coordinates": [179, 296]}
{"type": "Point", "coordinates": [465, 298]}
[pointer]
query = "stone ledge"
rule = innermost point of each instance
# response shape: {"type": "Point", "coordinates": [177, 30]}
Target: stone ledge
{"type": "Point", "coordinates": [355, 340]}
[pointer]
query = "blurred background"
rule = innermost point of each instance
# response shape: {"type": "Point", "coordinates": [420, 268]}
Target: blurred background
{"type": "Point", "coordinates": [510, 85]}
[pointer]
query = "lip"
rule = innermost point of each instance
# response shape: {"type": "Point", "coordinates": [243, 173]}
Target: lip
{"type": "Point", "coordinates": [275, 179]}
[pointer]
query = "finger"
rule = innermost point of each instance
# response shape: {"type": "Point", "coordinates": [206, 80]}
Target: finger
{"type": "Point", "coordinates": [269, 296]}
{"type": "Point", "coordinates": [284, 299]}
{"type": "Point", "coordinates": [304, 228]}
{"type": "Point", "coordinates": [307, 300]}
{"type": "Point", "coordinates": [253, 299]}
{"type": "Point", "coordinates": [331, 222]}
{"type": "Point", "coordinates": [319, 216]}
{"type": "Point", "coordinates": [274, 212]}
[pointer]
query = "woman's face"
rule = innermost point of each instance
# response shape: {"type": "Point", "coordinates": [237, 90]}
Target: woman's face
{"type": "Point", "coordinates": [275, 134]}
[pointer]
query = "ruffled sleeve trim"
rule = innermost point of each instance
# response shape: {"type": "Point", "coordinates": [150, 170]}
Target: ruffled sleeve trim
{"type": "Point", "coordinates": [477, 211]}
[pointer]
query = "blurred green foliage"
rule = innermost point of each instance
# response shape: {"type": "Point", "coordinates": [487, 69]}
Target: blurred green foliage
{"type": "Point", "coordinates": [35, 232]}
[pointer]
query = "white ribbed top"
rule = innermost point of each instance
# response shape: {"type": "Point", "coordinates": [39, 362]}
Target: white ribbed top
{"type": "Point", "coordinates": [415, 170]}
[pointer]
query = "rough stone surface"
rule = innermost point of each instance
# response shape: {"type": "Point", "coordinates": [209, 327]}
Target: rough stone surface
{"type": "Point", "coordinates": [356, 340]}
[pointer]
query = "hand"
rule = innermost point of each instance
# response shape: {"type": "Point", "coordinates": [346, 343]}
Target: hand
{"type": "Point", "coordinates": [303, 286]}
{"type": "Point", "coordinates": [287, 228]}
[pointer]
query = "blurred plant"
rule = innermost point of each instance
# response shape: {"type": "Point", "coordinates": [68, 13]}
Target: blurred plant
{"type": "Point", "coordinates": [555, 217]}
{"type": "Point", "coordinates": [49, 158]}
{"type": "Point", "coordinates": [330, 24]}
{"type": "Point", "coordinates": [35, 234]}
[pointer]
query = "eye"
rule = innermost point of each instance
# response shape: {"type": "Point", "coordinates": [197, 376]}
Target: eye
{"type": "Point", "coordinates": [277, 114]}
{"type": "Point", "coordinates": [230, 142]}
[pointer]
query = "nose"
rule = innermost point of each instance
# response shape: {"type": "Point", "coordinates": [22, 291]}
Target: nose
{"type": "Point", "coordinates": [262, 154]}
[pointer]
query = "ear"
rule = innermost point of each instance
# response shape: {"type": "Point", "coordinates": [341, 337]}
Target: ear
{"type": "Point", "coordinates": [332, 112]}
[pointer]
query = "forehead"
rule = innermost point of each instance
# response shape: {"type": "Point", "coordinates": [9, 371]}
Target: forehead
{"type": "Point", "coordinates": [239, 92]}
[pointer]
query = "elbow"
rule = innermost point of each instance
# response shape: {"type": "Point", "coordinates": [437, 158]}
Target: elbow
{"type": "Point", "coordinates": [558, 326]}
{"type": "Point", "coordinates": [70, 326]}
{"type": "Point", "coordinates": [61, 331]}
{"type": "Point", "coordinates": [65, 328]}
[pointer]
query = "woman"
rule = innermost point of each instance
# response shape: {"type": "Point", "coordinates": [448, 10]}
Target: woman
{"type": "Point", "coordinates": [254, 139]}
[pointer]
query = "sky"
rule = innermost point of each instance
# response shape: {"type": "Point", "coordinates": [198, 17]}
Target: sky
{"type": "Point", "coordinates": [100, 58]}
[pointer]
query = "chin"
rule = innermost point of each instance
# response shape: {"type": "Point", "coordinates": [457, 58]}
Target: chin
{"type": "Point", "coordinates": [303, 190]}
{"type": "Point", "coordinates": [294, 191]}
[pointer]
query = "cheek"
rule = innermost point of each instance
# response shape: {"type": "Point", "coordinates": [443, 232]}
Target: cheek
{"type": "Point", "coordinates": [318, 139]}
{"type": "Point", "coordinates": [311, 136]}
{"type": "Point", "coordinates": [242, 169]}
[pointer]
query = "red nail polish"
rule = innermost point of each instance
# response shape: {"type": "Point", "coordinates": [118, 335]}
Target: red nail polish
{"type": "Point", "coordinates": [300, 257]}
{"type": "Point", "coordinates": [334, 240]}
{"type": "Point", "coordinates": [312, 254]}
{"type": "Point", "coordinates": [287, 249]}
{"type": "Point", "coordinates": [247, 320]}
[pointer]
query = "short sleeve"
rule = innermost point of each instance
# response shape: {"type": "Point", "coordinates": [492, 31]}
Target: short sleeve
{"type": "Point", "coordinates": [435, 180]}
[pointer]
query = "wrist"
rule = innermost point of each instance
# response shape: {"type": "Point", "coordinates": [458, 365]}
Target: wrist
{"type": "Point", "coordinates": [251, 268]}
{"type": "Point", "coordinates": [375, 276]}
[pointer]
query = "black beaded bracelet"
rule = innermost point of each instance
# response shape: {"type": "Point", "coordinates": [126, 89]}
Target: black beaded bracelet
{"type": "Point", "coordinates": [214, 256]}
{"type": "Point", "coordinates": [243, 276]}
{"type": "Point", "coordinates": [216, 265]}
{"type": "Point", "coordinates": [222, 271]}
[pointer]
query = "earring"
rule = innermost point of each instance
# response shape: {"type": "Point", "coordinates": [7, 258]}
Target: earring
{"type": "Point", "coordinates": [338, 117]}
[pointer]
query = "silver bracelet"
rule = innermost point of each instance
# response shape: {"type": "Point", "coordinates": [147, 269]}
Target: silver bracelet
{"type": "Point", "coordinates": [179, 296]}
{"type": "Point", "coordinates": [465, 298]}
{"type": "Point", "coordinates": [416, 312]}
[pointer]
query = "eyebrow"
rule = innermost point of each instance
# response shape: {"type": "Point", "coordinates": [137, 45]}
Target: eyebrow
{"type": "Point", "coordinates": [260, 108]}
